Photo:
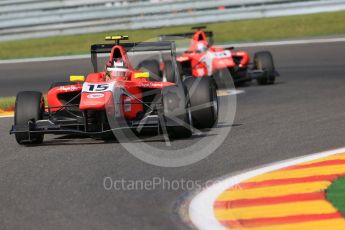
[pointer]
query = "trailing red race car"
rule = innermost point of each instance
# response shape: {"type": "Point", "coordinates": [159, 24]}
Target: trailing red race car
{"type": "Point", "coordinates": [203, 59]}
{"type": "Point", "coordinates": [118, 98]}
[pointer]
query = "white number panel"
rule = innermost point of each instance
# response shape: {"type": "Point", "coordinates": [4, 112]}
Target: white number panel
{"type": "Point", "coordinates": [91, 88]}
{"type": "Point", "coordinates": [222, 54]}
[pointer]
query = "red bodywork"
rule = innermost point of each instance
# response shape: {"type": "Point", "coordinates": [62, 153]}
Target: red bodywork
{"type": "Point", "coordinates": [206, 62]}
{"type": "Point", "coordinates": [97, 92]}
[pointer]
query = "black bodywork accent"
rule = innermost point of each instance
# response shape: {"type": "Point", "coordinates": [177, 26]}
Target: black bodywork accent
{"type": "Point", "coordinates": [173, 37]}
{"type": "Point", "coordinates": [169, 37]}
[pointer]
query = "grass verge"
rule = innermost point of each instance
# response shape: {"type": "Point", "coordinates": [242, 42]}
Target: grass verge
{"type": "Point", "coordinates": [234, 31]}
{"type": "Point", "coordinates": [336, 194]}
{"type": "Point", "coordinates": [7, 104]}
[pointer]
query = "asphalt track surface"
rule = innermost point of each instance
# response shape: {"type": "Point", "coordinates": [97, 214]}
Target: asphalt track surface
{"type": "Point", "coordinates": [60, 185]}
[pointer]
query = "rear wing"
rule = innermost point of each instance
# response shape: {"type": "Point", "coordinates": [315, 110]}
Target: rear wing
{"type": "Point", "coordinates": [169, 37]}
{"type": "Point", "coordinates": [132, 47]}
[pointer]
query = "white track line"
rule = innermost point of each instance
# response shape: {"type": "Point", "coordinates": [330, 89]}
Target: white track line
{"type": "Point", "coordinates": [7, 116]}
{"type": "Point", "coordinates": [201, 207]}
{"type": "Point", "coordinates": [291, 42]}
{"type": "Point", "coordinates": [45, 59]}
{"type": "Point", "coordinates": [253, 44]}
{"type": "Point", "coordinates": [229, 92]}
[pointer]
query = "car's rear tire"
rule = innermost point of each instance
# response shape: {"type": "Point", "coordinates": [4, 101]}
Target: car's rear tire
{"type": "Point", "coordinates": [29, 107]}
{"type": "Point", "coordinates": [176, 112]}
{"type": "Point", "coordinates": [203, 100]}
{"type": "Point", "coordinates": [153, 67]}
{"type": "Point", "coordinates": [264, 61]}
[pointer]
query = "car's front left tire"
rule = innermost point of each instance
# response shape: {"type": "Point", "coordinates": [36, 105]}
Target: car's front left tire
{"type": "Point", "coordinates": [29, 107]}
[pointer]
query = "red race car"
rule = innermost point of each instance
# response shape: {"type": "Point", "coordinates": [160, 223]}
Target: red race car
{"type": "Point", "coordinates": [204, 59]}
{"type": "Point", "coordinates": [118, 98]}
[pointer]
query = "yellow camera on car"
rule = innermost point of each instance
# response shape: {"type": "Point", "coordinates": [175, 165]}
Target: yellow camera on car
{"type": "Point", "coordinates": [75, 78]}
{"type": "Point", "coordinates": [142, 75]}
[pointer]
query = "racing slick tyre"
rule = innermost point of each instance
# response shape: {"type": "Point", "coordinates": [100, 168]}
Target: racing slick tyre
{"type": "Point", "coordinates": [176, 112]}
{"type": "Point", "coordinates": [169, 71]}
{"type": "Point", "coordinates": [264, 61]}
{"type": "Point", "coordinates": [203, 101]}
{"type": "Point", "coordinates": [153, 67]}
{"type": "Point", "coordinates": [29, 107]}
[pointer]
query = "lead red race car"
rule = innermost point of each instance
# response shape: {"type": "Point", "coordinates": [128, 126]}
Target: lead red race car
{"type": "Point", "coordinates": [202, 58]}
{"type": "Point", "coordinates": [120, 98]}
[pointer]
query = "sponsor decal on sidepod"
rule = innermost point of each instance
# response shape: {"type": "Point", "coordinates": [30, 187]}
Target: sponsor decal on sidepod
{"type": "Point", "coordinates": [95, 95]}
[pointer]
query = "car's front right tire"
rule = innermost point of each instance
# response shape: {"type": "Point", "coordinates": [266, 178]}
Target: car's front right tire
{"type": "Point", "coordinates": [264, 61]}
{"type": "Point", "coordinates": [203, 99]}
{"type": "Point", "coordinates": [176, 112]}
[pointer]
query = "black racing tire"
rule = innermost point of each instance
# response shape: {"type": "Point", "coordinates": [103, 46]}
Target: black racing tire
{"type": "Point", "coordinates": [264, 61]}
{"type": "Point", "coordinates": [62, 83]}
{"type": "Point", "coordinates": [29, 107]}
{"type": "Point", "coordinates": [180, 70]}
{"type": "Point", "coordinates": [176, 111]}
{"type": "Point", "coordinates": [153, 67]}
{"type": "Point", "coordinates": [203, 101]}
{"type": "Point", "coordinates": [169, 71]}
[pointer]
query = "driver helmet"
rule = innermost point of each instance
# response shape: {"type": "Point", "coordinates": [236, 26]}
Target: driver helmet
{"type": "Point", "coordinates": [201, 46]}
{"type": "Point", "coordinates": [118, 68]}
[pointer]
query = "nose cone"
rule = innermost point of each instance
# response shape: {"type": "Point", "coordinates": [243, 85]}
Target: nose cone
{"type": "Point", "coordinates": [96, 101]}
{"type": "Point", "coordinates": [222, 63]}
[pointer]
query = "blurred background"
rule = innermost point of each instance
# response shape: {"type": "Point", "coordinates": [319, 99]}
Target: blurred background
{"type": "Point", "coordinates": [67, 27]}
{"type": "Point", "coordinates": [59, 185]}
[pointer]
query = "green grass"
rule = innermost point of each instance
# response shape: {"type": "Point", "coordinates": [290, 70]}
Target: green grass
{"type": "Point", "coordinates": [234, 31]}
{"type": "Point", "coordinates": [7, 103]}
{"type": "Point", "coordinates": [336, 194]}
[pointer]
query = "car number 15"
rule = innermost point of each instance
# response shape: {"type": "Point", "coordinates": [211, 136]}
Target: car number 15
{"type": "Point", "coordinates": [96, 87]}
